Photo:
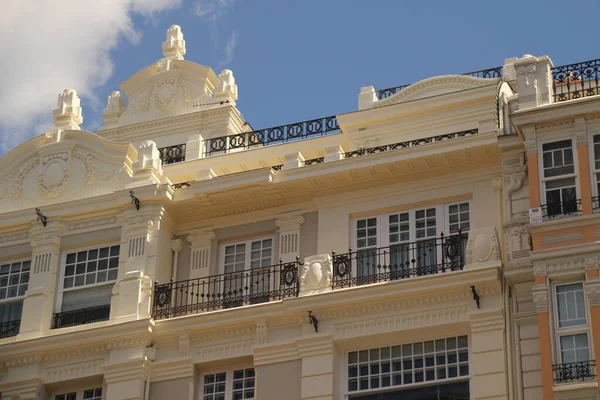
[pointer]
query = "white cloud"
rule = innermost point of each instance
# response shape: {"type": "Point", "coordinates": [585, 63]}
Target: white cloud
{"type": "Point", "coordinates": [229, 48]}
{"type": "Point", "coordinates": [213, 9]}
{"type": "Point", "coordinates": [48, 46]}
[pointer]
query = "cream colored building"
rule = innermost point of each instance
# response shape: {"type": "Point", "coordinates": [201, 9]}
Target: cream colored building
{"type": "Point", "coordinates": [383, 253]}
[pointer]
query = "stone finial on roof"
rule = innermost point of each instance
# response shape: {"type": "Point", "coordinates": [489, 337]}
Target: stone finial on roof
{"type": "Point", "coordinates": [67, 115]}
{"type": "Point", "coordinates": [174, 46]}
{"type": "Point", "coordinates": [226, 88]}
{"type": "Point", "coordinates": [115, 106]}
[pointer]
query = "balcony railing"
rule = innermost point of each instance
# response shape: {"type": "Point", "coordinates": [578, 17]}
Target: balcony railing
{"type": "Point", "coordinates": [554, 210]}
{"type": "Point", "coordinates": [399, 261]}
{"type": "Point", "coordinates": [9, 328]}
{"type": "Point", "coordinates": [595, 203]}
{"type": "Point", "coordinates": [236, 289]}
{"type": "Point", "coordinates": [578, 371]}
{"type": "Point", "coordinates": [172, 154]}
{"type": "Point", "coordinates": [81, 316]}
{"type": "Point", "coordinates": [270, 136]}
{"type": "Point", "coordinates": [490, 73]}
{"type": "Point", "coordinates": [578, 80]}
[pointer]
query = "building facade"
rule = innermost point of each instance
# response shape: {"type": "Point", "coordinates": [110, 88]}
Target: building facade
{"type": "Point", "coordinates": [437, 243]}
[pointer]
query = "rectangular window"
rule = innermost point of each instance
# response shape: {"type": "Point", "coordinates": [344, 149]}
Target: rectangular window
{"type": "Point", "coordinates": [559, 178]}
{"type": "Point", "coordinates": [14, 278]}
{"type": "Point", "coordinates": [66, 396]}
{"type": "Point", "coordinates": [251, 254]}
{"type": "Point", "coordinates": [88, 267]}
{"type": "Point", "coordinates": [406, 243]}
{"type": "Point", "coordinates": [87, 394]}
{"type": "Point", "coordinates": [413, 363]}
{"type": "Point", "coordinates": [234, 384]}
{"type": "Point", "coordinates": [596, 171]}
{"type": "Point", "coordinates": [571, 323]}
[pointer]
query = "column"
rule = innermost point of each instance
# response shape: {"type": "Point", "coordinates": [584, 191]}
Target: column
{"type": "Point", "coordinates": [289, 236]}
{"type": "Point", "coordinates": [488, 364]}
{"type": "Point", "coordinates": [583, 170]}
{"type": "Point", "coordinates": [201, 253]}
{"type": "Point", "coordinates": [319, 358]}
{"type": "Point", "coordinates": [592, 291]}
{"type": "Point", "coordinates": [38, 306]}
{"type": "Point", "coordinates": [127, 380]}
{"type": "Point", "coordinates": [541, 299]}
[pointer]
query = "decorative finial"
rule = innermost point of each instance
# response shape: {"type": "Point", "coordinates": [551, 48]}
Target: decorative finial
{"type": "Point", "coordinates": [174, 46]}
{"type": "Point", "coordinates": [115, 106]}
{"type": "Point", "coordinates": [226, 88]}
{"type": "Point", "coordinates": [67, 115]}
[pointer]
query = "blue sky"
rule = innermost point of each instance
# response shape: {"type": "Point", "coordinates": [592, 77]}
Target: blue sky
{"type": "Point", "coordinates": [292, 60]}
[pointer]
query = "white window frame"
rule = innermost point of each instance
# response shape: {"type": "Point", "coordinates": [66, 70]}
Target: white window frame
{"type": "Point", "coordinates": [571, 330]}
{"type": "Point", "coordinates": [228, 380]}
{"type": "Point", "coordinates": [248, 251]}
{"type": "Point", "coordinates": [343, 365]}
{"type": "Point", "coordinates": [63, 266]}
{"type": "Point", "coordinates": [11, 262]}
{"type": "Point", "coordinates": [594, 173]}
{"type": "Point", "coordinates": [574, 175]}
{"type": "Point", "coordinates": [78, 392]}
{"type": "Point", "coordinates": [383, 226]}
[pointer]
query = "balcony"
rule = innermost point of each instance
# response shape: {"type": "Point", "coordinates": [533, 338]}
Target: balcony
{"type": "Point", "coordinates": [9, 328]}
{"type": "Point", "coordinates": [235, 289]}
{"type": "Point", "coordinates": [578, 371]}
{"type": "Point", "coordinates": [81, 316]}
{"type": "Point", "coordinates": [270, 136]}
{"type": "Point", "coordinates": [574, 81]}
{"type": "Point", "coordinates": [490, 73]}
{"type": "Point", "coordinates": [172, 154]}
{"type": "Point", "coordinates": [565, 208]}
{"type": "Point", "coordinates": [261, 285]}
{"type": "Point", "coordinates": [399, 261]}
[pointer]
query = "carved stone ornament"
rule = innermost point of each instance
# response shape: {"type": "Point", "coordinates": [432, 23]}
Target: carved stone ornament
{"type": "Point", "coordinates": [482, 246]}
{"type": "Point", "coordinates": [164, 95]}
{"type": "Point", "coordinates": [316, 273]}
{"type": "Point", "coordinates": [54, 174]}
{"type": "Point", "coordinates": [17, 188]}
{"type": "Point", "coordinates": [591, 263]}
{"type": "Point", "coordinates": [184, 345]}
{"type": "Point", "coordinates": [540, 298]}
{"type": "Point", "coordinates": [592, 290]}
{"type": "Point", "coordinates": [262, 330]}
{"type": "Point", "coordinates": [88, 161]}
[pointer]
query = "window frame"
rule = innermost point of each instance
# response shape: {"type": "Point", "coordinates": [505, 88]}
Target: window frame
{"type": "Point", "coordinates": [63, 266]}
{"type": "Point", "coordinates": [79, 391]}
{"type": "Point", "coordinates": [594, 173]}
{"type": "Point", "coordinates": [248, 251]}
{"type": "Point", "coordinates": [559, 332]}
{"type": "Point", "coordinates": [442, 211]}
{"type": "Point", "coordinates": [228, 379]}
{"type": "Point", "coordinates": [21, 260]}
{"type": "Point", "coordinates": [543, 179]}
{"type": "Point", "coordinates": [343, 365]}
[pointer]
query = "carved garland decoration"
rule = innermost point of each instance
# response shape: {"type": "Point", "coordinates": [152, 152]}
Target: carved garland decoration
{"type": "Point", "coordinates": [88, 161]}
{"type": "Point", "coordinates": [23, 171]}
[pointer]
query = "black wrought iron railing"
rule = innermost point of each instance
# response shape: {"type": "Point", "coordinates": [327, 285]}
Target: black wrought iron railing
{"type": "Point", "coordinates": [554, 210]}
{"type": "Point", "coordinates": [315, 161]}
{"type": "Point", "coordinates": [236, 289]}
{"type": "Point", "coordinates": [81, 316]}
{"type": "Point", "coordinates": [574, 81]}
{"type": "Point", "coordinates": [9, 328]}
{"type": "Point", "coordinates": [274, 135]}
{"type": "Point", "coordinates": [182, 185]}
{"type": "Point", "coordinates": [400, 261]}
{"type": "Point", "coordinates": [172, 154]}
{"type": "Point", "coordinates": [577, 371]}
{"type": "Point", "coordinates": [489, 73]}
{"type": "Point", "coordinates": [410, 143]}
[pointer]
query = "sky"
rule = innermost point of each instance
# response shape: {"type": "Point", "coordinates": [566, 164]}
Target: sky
{"type": "Point", "coordinates": [293, 60]}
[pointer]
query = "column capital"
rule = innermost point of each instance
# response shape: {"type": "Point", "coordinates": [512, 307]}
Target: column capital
{"type": "Point", "coordinates": [291, 221]}
{"type": "Point", "coordinates": [315, 345]}
{"type": "Point", "coordinates": [592, 291]}
{"type": "Point", "coordinates": [130, 370]}
{"type": "Point", "coordinates": [25, 390]}
{"type": "Point", "coordinates": [201, 238]}
{"type": "Point", "coordinates": [540, 298]}
{"type": "Point", "coordinates": [46, 237]}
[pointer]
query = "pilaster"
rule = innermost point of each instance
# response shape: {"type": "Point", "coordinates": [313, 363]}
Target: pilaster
{"type": "Point", "coordinates": [289, 236]}
{"type": "Point", "coordinates": [201, 253]}
{"type": "Point", "coordinates": [534, 79]}
{"type": "Point", "coordinates": [583, 170]}
{"type": "Point", "coordinates": [319, 357]}
{"type": "Point", "coordinates": [126, 380]}
{"type": "Point", "coordinates": [26, 390]}
{"type": "Point", "coordinates": [592, 291]}
{"type": "Point", "coordinates": [541, 299]}
{"type": "Point", "coordinates": [38, 305]}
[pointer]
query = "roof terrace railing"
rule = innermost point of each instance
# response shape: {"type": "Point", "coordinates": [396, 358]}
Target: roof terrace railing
{"type": "Point", "coordinates": [490, 73]}
{"type": "Point", "coordinates": [172, 154]}
{"type": "Point", "coordinates": [574, 81]}
{"type": "Point", "coordinates": [269, 136]}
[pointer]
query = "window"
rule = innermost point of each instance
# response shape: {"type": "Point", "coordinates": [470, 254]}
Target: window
{"type": "Point", "coordinates": [248, 255]}
{"type": "Point", "coordinates": [87, 394]}
{"type": "Point", "coordinates": [14, 279]}
{"type": "Point", "coordinates": [408, 364]}
{"type": "Point", "coordinates": [229, 385]}
{"type": "Point", "coordinates": [571, 324]}
{"type": "Point", "coordinates": [88, 267]}
{"type": "Point", "coordinates": [558, 178]}
{"type": "Point", "coordinates": [408, 240]}
{"type": "Point", "coordinates": [596, 171]}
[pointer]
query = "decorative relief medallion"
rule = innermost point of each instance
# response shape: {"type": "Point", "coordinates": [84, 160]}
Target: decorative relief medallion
{"type": "Point", "coordinates": [316, 273]}
{"type": "Point", "coordinates": [164, 96]}
{"type": "Point", "coordinates": [21, 173]}
{"type": "Point", "coordinates": [54, 175]}
{"type": "Point", "coordinates": [482, 246]}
